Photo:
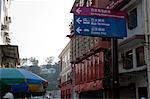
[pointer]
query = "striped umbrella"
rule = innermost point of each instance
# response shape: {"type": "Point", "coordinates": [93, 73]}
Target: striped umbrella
{"type": "Point", "coordinates": [21, 80]}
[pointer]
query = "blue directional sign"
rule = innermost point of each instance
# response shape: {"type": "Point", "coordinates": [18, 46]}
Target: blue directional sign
{"type": "Point", "coordinates": [100, 26]}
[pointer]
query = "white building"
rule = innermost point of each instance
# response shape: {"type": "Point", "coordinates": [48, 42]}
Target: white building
{"type": "Point", "coordinates": [5, 20]}
{"type": "Point", "coordinates": [9, 55]}
{"type": "Point", "coordinates": [66, 71]}
{"type": "Point", "coordinates": [133, 51]}
{"type": "Point", "coordinates": [65, 63]}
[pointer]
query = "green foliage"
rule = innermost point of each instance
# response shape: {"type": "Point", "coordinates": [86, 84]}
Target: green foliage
{"type": "Point", "coordinates": [49, 60]}
{"type": "Point", "coordinates": [35, 69]}
{"type": "Point", "coordinates": [23, 61]}
{"type": "Point", "coordinates": [34, 61]}
{"type": "Point", "coordinates": [52, 78]}
{"type": "Point", "coordinates": [29, 61]}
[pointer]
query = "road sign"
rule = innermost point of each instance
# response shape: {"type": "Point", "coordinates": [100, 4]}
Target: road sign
{"type": "Point", "coordinates": [103, 27]}
{"type": "Point", "coordinates": [101, 12]}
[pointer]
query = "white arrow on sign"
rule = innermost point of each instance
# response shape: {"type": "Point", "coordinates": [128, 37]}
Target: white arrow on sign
{"type": "Point", "coordinates": [78, 10]}
{"type": "Point", "coordinates": [78, 30]}
{"type": "Point", "coordinates": [78, 20]}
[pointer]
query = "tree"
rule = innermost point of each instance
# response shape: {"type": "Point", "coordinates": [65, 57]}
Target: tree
{"type": "Point", "coordinates": [24, 61]}
{"type": "Point", "coordinates": [33, 61]}
{"type": "Point", "coordinates": [35, 69]}
{"type": "Point", "coordinates": [49, 60]}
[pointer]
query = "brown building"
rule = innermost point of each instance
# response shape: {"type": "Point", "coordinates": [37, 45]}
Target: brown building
{"type": "Point", "coordinates": [9, 56]}
{"type": "Point", "coordinates": [89, 61]}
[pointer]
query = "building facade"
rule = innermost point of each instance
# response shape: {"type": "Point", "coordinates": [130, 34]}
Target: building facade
{"type": "Point", "coordinates": [90, 61]}
{"type": "Point", "coordinates": [9, 55]}
{"type": "Point", "coordinates": [89, 53]}
{"type": "Point", "coordinates": [90, 57]}
{"type": "Point", "coordinates": [65, 75]}
{"type": "Point", "coordinates": [133, 60]}
{"type": "Point", "coordinates": [5, 19]}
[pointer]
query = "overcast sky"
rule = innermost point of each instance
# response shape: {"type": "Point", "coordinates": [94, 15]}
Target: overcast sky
{"type": "Point", "coordinates": [39, 27]}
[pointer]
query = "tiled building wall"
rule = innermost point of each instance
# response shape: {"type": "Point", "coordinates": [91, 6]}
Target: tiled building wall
{"type": "Point", "coordinates": [81, 45]}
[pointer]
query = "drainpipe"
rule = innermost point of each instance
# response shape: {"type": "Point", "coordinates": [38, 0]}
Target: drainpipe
{"type": "Point", "coordinates": [146, 9]}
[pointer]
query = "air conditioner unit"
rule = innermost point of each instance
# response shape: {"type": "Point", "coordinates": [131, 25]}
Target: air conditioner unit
{"type": "Point", "coordinates": [6, 34]}
{"type": "Point", "coordinates": [7, 40]}
{"type": "Point", "coordinates": [8, 19]}
{"type": "Point", "coordinates": [3, 27]}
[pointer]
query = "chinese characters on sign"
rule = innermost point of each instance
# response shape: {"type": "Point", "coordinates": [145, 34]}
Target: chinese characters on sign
{"type": "Point", "coordinates": [99, 22]}
{"type": "Point", "coordinates": [94, 26]}
{"type": "Point", "coordinates": [101, 12]}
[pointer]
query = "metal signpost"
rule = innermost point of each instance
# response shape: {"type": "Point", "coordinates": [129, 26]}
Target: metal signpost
{"type": "Point", "coordinates": [89, 21]}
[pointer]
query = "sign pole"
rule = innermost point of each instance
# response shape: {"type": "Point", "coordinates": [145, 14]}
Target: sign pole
{"type": "Point", "coordinates": [115, 89]}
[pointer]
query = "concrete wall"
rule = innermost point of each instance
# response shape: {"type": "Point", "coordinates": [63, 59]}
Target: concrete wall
{"type": "Point", "coordinates": [138, 30]}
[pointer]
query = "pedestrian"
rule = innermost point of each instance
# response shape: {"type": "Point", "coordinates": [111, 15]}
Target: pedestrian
{"type": "Point", "coordinates": [8, 94]}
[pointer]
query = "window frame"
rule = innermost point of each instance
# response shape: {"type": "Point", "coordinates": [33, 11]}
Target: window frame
{"type": "Point", "coordinates": [125, 61]}
{"type": "Point", "coordinates": [138, 52]}
{"type": "Point", "coordinates": [133, 18]}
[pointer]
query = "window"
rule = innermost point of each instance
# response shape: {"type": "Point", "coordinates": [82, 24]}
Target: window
{"type": "Point", "coordinates": [63, 79]}
{"type": "Point", "coordinates": [69, 55]}
{"type": "Point", "coordinates": [127, 59]}
{"type": "Point", "coordinates": [63, 63]}
{"type": "Point", "coordinates": [69, 76]}
{"type": "Point", "coordinates": [92, 2]}
{"type": "Point", "coordinates": [140, 56]}
{"type": "Point", "coordinates": [85, 2]}
{"type": "Point", "coordinates": [132, 19]}
{"type": "Point", "coordinates": [81, 3]}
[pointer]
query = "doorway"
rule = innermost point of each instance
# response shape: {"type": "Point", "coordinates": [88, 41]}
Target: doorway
{"type": "Point", "coordinates": [142, 92]}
